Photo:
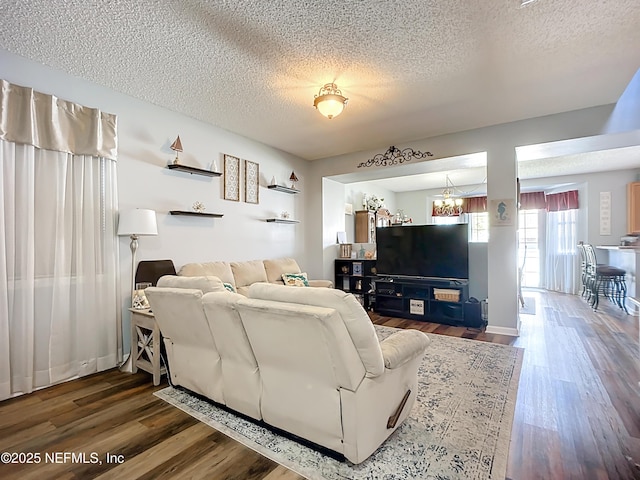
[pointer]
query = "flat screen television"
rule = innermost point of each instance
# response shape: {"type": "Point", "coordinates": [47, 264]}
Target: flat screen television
{"type": "Point", "coordinates": [426, 251]}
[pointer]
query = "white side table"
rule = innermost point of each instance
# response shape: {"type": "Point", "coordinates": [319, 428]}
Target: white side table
{"type": "Point", "coordinates": [146, 344]}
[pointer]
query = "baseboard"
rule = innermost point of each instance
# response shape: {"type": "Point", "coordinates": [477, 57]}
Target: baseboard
{"type": "Point", "coordinates": [512, 332]}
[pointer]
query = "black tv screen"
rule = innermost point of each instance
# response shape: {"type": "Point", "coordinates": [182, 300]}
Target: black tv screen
{"type": "Point", "coordinates": [423, 251]}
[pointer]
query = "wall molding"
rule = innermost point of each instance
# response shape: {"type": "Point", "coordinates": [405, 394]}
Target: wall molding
{"type": "Point", "coordinates": [512, 332]}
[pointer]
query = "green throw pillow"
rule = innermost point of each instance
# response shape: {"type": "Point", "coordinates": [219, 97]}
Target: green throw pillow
{"type": "Point", "coordinates": [295, 279]}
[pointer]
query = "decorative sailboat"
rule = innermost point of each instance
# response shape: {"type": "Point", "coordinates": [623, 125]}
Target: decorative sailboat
{"type": "Point", "coordinates": [293, 180]}
{"type": "Point", "coordinates": [176, 146]}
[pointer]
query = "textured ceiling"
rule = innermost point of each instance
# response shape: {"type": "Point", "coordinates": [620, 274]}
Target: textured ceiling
{"type": "Point", "coordinates": [411, 68]}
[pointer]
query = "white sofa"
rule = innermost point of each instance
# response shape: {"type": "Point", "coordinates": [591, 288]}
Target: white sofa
{"type": "Point", "coordinates": [241, 275]}
{"type": "Point", "coordinates": [304, 360]}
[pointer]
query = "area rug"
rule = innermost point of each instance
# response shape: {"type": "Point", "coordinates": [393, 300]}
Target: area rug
{"type": "Point", "coordinates": [459, 427]}
{"type": "Point", "coordinates": [529, 306]}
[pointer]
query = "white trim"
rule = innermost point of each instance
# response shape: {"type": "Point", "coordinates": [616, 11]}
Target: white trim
{"type": "Point", "coordinates": [512, 332]}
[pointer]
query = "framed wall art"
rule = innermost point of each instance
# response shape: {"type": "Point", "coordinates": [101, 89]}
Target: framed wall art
{"type": "Point", "coordinates": [502, 212]}
{"type": "Point", "coordinates": [251, 182]}
{"type": "Point", "coordinates": [231, 178]}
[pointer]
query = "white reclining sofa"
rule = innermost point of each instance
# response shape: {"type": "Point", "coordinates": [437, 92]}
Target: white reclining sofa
{"type": "Point", "coordinates": [304, 360]}
{"type": "Point", "coordinates": [241, 275]}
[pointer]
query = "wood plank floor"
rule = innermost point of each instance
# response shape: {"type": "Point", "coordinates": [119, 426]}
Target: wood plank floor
{"type": "Point", "coordinates": [577, 415]}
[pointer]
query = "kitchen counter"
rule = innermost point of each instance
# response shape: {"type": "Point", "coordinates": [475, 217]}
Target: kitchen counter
{"type": "Point", "coordinates": [627, 258]}
{"type": "Point", "coordinates": [619, 247]}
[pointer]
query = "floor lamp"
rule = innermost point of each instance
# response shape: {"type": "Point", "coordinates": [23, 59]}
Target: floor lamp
{"type": "Point", "coordinates": [134, 223]}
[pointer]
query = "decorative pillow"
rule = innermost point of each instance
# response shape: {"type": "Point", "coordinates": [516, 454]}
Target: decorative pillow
{"type": "Point", "coordinates": [229, 287]}
{"type": "Point", "coordinates": [295, 279]}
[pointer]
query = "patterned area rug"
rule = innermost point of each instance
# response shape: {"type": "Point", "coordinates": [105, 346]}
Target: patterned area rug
{"type": "Point", "coordinates": [459, 427]}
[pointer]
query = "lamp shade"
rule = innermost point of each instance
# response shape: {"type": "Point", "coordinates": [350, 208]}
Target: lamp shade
{"type": "Point", "coordinates": [138, 222]}
{"type": "Point", "coordinates": [330, 101]}
{"type": "Point", "coordinates": [330, 105]}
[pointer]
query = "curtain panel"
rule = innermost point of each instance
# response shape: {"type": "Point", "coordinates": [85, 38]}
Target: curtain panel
{"type": "Point", "coordinates": [59, 307]}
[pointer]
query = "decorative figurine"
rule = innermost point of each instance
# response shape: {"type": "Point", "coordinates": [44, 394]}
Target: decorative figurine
{"type": "Point", "coordinates": [176, 146]}
{"type": "Point", "coordinates": [293, 180]}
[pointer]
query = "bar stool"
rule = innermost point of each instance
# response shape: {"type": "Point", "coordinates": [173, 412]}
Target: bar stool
{"type": "Point", "coordinates": [583, 270]}
{"type": "Point", "coordinates": [604, 279]}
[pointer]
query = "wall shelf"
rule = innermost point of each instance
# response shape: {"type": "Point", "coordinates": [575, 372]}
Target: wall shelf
{"type": "Point", "coordinates": [356, 276]}
{"type": "Point", "coordinates": [281, 220]}
{"type": "Point", "coordinates": [195, 214]}
{"type": "Point", "coordinates": [192, 170]}
{"type": "Point", "coordinates": [280, 188]}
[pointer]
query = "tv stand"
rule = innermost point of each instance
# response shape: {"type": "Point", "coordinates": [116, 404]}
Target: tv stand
{"type": "Point", "coordinates": [425, 299]}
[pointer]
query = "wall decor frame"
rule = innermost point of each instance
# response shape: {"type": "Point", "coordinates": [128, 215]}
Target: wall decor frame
{"type": "Point", "coordinates": [251, 182]}
{"type": "Point", "coordinates": [502, 212]}
{"type": "Point", "coordinates": [605, 213]}
{"type": "Point", "coordinates": [231, 178]}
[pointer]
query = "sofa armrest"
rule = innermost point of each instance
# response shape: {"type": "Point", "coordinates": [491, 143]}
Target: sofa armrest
{"type": "Point", "coordinates": [403, 346]}
{"type": "Point", "coordinates": [320, 283]}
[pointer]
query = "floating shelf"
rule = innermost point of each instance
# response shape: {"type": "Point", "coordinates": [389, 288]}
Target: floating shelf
{"type": "Point", "coordinates": [281, 220]}
{"type": "Point", "coordinates": [197, 171]}
{"type": "Point", "coordinates": [194, 214]}
{"type": "Point", "coordinates": [280, 188]}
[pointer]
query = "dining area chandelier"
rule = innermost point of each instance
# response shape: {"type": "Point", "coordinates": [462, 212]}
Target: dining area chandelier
{"type": "Point", "coordinates": [449, 206]}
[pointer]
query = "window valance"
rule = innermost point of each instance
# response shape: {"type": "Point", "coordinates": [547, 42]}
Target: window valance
{"type": "Point", "coordinates": [475, 204]}
{"type": "Point", "coordinates": [47, 122]}
{"type": "Point", "coordinates": [557, 202]}
{"type": "Point", "coordinates": [532, 201]}
{"type": "Point", "coordinates": [528, 201]}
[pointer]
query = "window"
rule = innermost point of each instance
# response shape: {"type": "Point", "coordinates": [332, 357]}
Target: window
{"type": "Point", "coordinates": [528, 241]}
{"type": "Point", "coordinates": [478, 226]}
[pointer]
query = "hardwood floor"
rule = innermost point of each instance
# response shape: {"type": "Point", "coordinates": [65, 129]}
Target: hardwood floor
{"type": "Point", "coordinates": [577, 415]}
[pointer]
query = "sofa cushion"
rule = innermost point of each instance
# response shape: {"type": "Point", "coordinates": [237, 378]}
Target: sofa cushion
{"type": "Point", "coordinates": [361, 330]}
{"type": "Point", "coordinates": [205, 284]}
{"type": "Point", "coordinates": [295, 279]}
{"type": "Point", "coordinates": [277, 266]}
{"type": "Point", "coordinates": [248, 273]}
{"type": "Point", "coordinates": [222, 270]}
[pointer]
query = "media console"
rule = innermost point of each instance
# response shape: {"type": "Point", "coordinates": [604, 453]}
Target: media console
{"type": "Point", "coordinates": [427, 299]}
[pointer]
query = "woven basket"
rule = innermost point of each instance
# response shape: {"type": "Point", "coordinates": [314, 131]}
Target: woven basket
{"type": "Point", "coordinates": [446, 294]}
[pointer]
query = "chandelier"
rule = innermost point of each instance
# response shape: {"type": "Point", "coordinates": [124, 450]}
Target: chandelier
{"type": "Point", "coordinates": [449, 206]}
{"type": "Point", "coordinates": [329, 101]}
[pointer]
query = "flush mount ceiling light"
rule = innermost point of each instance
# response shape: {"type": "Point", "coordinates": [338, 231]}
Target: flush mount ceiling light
{"type": "Point", "coordinates": [329, 101]}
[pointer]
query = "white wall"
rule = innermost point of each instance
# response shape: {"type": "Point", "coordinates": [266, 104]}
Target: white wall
{"type": "Point", "coordinates": [333, 218]}
{"type": "Point", "coordinates": [145, 132]}
{"type": "Point", "coordinates": [354, 193]}
{"type": "Point", "coordinates": [416, 205]}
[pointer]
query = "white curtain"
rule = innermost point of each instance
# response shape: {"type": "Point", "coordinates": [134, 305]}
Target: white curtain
{"type": "Point", "coordinates": [59, 315]}
{"type": "Point", "coordinates": [562, 264]}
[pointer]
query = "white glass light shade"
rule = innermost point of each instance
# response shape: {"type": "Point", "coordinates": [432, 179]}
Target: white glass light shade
{"type": "Point", "coordinates": [330, 102]}
{"type": "Point", "coordinates": [330, 105]}
{"type": "Point", "coordinates": [138, 222]}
